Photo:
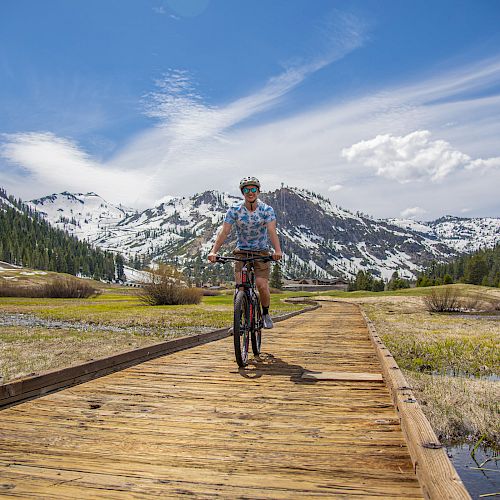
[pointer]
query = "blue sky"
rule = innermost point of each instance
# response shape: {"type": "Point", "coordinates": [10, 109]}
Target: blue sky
{"type": "Point", "coordinates": [388, 107]}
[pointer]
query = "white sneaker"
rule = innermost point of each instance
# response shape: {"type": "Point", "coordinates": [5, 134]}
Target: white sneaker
{"type": "Point", "coordinates": [268, 322]}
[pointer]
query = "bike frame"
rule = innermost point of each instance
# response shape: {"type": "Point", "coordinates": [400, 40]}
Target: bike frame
{"type": "Point", "coordinates": [254, 319]}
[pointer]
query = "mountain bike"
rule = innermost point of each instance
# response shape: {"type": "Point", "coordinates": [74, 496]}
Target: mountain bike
{"type": "Point", "coordinates": [247, 320]}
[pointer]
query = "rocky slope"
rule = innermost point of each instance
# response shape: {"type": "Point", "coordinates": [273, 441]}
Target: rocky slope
{"type": "Point", "coordinates": [318, 238]}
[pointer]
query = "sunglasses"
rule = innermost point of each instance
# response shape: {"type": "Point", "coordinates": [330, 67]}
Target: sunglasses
{"type": "Point", "coordinates": [249, 190]}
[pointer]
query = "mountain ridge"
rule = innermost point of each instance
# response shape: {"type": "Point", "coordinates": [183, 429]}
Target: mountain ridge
{"type": "Point", "coordinates": [318, 238]}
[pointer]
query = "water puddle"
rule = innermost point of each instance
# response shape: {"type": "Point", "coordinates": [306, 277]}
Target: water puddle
{"type": "Point", "coordinates": [492, 377]}
{"type": "Point", "coordinates": [481, 474]}
{"type": "Point", "coordinates": [491, 317]}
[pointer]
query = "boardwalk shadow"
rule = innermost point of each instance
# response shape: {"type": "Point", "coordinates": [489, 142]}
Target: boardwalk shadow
{"type": "Point", "coordinates": [270, 365]}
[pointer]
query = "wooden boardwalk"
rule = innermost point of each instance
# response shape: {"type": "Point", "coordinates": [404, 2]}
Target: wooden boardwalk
{"type": "Point", "coordinates": [192, 424]}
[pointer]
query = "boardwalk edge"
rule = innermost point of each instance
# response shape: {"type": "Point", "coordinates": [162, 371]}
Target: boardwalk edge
{"type": "Point", "coordinates": [437, 476]}
{"type": "Point", "coordinates": [27, 388]}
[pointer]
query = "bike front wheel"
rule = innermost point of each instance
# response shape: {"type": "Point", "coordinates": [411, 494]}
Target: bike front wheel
{"type": "Point", "coordinates": [257, 327]}
{"type": "Point", "coordinates": [241, 328]}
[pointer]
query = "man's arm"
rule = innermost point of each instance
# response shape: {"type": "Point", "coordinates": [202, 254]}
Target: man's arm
{"type": "Point", "coordinates": [275, 242]}
{"type": "Point", "coordinates": [221, 237]}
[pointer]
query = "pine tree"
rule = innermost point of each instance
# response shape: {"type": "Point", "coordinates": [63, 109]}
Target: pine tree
{"type": "Point", "coordinates": [276, 277]}
{"type": "Point", "coordinates": [120, 270]}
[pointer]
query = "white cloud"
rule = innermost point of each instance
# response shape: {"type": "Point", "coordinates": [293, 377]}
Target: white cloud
{"type": "Point", "coordinates": [55, 163]}
{"type": "Point", "coordinates": [413, 212]}
{"type": "Point", "coordinates": [413, 157]}
{"type": "Point", "coordinates": [426, 131]}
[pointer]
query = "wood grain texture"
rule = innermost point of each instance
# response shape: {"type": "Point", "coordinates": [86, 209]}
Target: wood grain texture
{"type": "Point", "coordinates": [193, 424]}
{"type": "Point", "coordinates": [352, 376]}
{"type": "Point", "coordinates": [437, 475]}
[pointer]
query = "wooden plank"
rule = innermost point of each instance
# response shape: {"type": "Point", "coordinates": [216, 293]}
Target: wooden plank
{"type": "Point", "coordinates": [348, 376]}
{"type": "Point", "coordinates": [437, 475]}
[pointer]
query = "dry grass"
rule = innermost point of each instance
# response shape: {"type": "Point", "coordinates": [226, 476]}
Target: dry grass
{"type": "Point", "coordinates": [58, 288]}
{"type": "Point", "coordinates": [29, 351]}
{"type": "Point", "coordinates": [437, 343]}
{"type": "Point", "coordinates": [449, 299]}
{"type": "Point", "coordinates": [458, 407]}
{"type": "Point", "coordinates": [432, 346]}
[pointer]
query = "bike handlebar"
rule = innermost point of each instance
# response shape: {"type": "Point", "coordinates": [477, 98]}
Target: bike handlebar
{"type": "Point", "coordinates": [266, 258]}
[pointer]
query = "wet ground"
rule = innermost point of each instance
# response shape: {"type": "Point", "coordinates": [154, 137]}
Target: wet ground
{"type": "Point", "coordinates": [29, 320]}
{"type": "Point", "coordinates": [481, 474]}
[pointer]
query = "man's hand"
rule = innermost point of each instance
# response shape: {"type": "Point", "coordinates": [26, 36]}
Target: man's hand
{"type": "Point", "coordinates": [277, 255]}
{"type": "Point", "coordinates": [212, 257]}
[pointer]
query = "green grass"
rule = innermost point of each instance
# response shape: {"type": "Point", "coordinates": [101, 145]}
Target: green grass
{"type": "Point", "coordinates": [413, 292]}
{"type": "Point", "coordinates": [128, 311]}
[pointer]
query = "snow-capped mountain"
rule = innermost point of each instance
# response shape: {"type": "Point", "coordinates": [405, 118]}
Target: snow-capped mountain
{"type": "Point", "coordinates": [86, 216]}
{"type": "Point", "coordinates": [459, 233]}
{"type": "Point", "coordinates": [318, 238]}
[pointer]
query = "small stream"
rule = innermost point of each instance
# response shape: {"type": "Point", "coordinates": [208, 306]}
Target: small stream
{"type": "Point", "coordinates": [30, 320]}
{"type": "Point", "coordinates": [481, 474]}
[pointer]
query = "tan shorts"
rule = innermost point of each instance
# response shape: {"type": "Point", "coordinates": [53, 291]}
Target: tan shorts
{"type": "Point", "coordinates": [262, 269]}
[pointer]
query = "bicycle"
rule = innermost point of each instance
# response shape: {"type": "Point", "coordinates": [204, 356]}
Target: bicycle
{"type": "Point", "coordinates": [247, 320]}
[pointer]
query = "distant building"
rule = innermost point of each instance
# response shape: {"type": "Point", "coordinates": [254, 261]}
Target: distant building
{"type": "Point", "coordinates": [316, 285]}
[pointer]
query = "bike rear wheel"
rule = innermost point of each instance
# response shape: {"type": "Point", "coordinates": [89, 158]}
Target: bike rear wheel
{"type": "Point", "coordinates": [257, 328]}
{"type": "Point", "coordinates": [241, 328]}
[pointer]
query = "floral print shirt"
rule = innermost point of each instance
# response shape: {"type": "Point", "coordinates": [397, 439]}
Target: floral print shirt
{"type": "Point", "coordinates": [251, 227]}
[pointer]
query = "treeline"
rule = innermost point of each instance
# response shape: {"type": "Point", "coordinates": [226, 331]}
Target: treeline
{"type": "Point", "coordinates": [479, 268]}
{"type": "Point", "coordinates": [366, 281]}
{"type": "Point", "coordinates": [28, 240]}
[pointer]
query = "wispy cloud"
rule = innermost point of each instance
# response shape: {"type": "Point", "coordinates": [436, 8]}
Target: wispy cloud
{"type": "Point", "coordinates": [426, 130]}
{"type": "Point", "coordinates": [53, 163]}
{"type": "Point", "coordinates": [189, 136]}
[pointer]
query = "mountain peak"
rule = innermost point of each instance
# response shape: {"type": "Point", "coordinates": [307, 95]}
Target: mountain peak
{"type": "Point", "coordinates": [318, 238]}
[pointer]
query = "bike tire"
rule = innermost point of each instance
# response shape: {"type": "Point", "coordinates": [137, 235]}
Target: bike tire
{"type": "Point", "coordinates": [241, 328]}
{"type": "Point", "coordinates": [257, 327]}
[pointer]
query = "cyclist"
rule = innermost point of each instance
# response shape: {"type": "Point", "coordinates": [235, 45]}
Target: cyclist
{"type": "Point", "coordinates": [255, 227]}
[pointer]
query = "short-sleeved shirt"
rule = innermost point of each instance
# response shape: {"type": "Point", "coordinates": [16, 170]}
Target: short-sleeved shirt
{"type": "Point", "coordinates": [251, 227]}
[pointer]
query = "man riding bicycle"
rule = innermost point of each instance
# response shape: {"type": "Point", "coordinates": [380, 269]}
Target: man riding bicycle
{"type": "Point", "coordinates": [255, 227]}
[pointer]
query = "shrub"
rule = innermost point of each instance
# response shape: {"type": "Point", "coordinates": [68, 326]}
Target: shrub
{"type": "Point", "coordinates": [443, 300]}
{"type": "Point", "coordinates": [60, 288]}
{"type": "Point", "coordinates": [449, 300]}
{"type": "Point", "coordinates": [166, 286]}
{"type": "Point", "coordinates": [68, 288]}
{"type": "Point", "coordinates": [207, 292]}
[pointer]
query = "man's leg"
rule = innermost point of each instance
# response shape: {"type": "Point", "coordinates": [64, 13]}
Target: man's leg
{"type": "Point", "coordinates": [265, 300]}
{"type": "Point", "coordinates": [263, 287]}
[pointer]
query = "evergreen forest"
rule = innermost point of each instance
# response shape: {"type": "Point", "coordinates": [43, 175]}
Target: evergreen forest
{"type": "Point", "coordinates": [28, 240]}
{"type": "Point", "coordinates": [478, 268]}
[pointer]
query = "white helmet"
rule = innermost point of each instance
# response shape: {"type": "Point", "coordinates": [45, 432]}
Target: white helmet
{"type": "Point", "coordinates": [249, 181]}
